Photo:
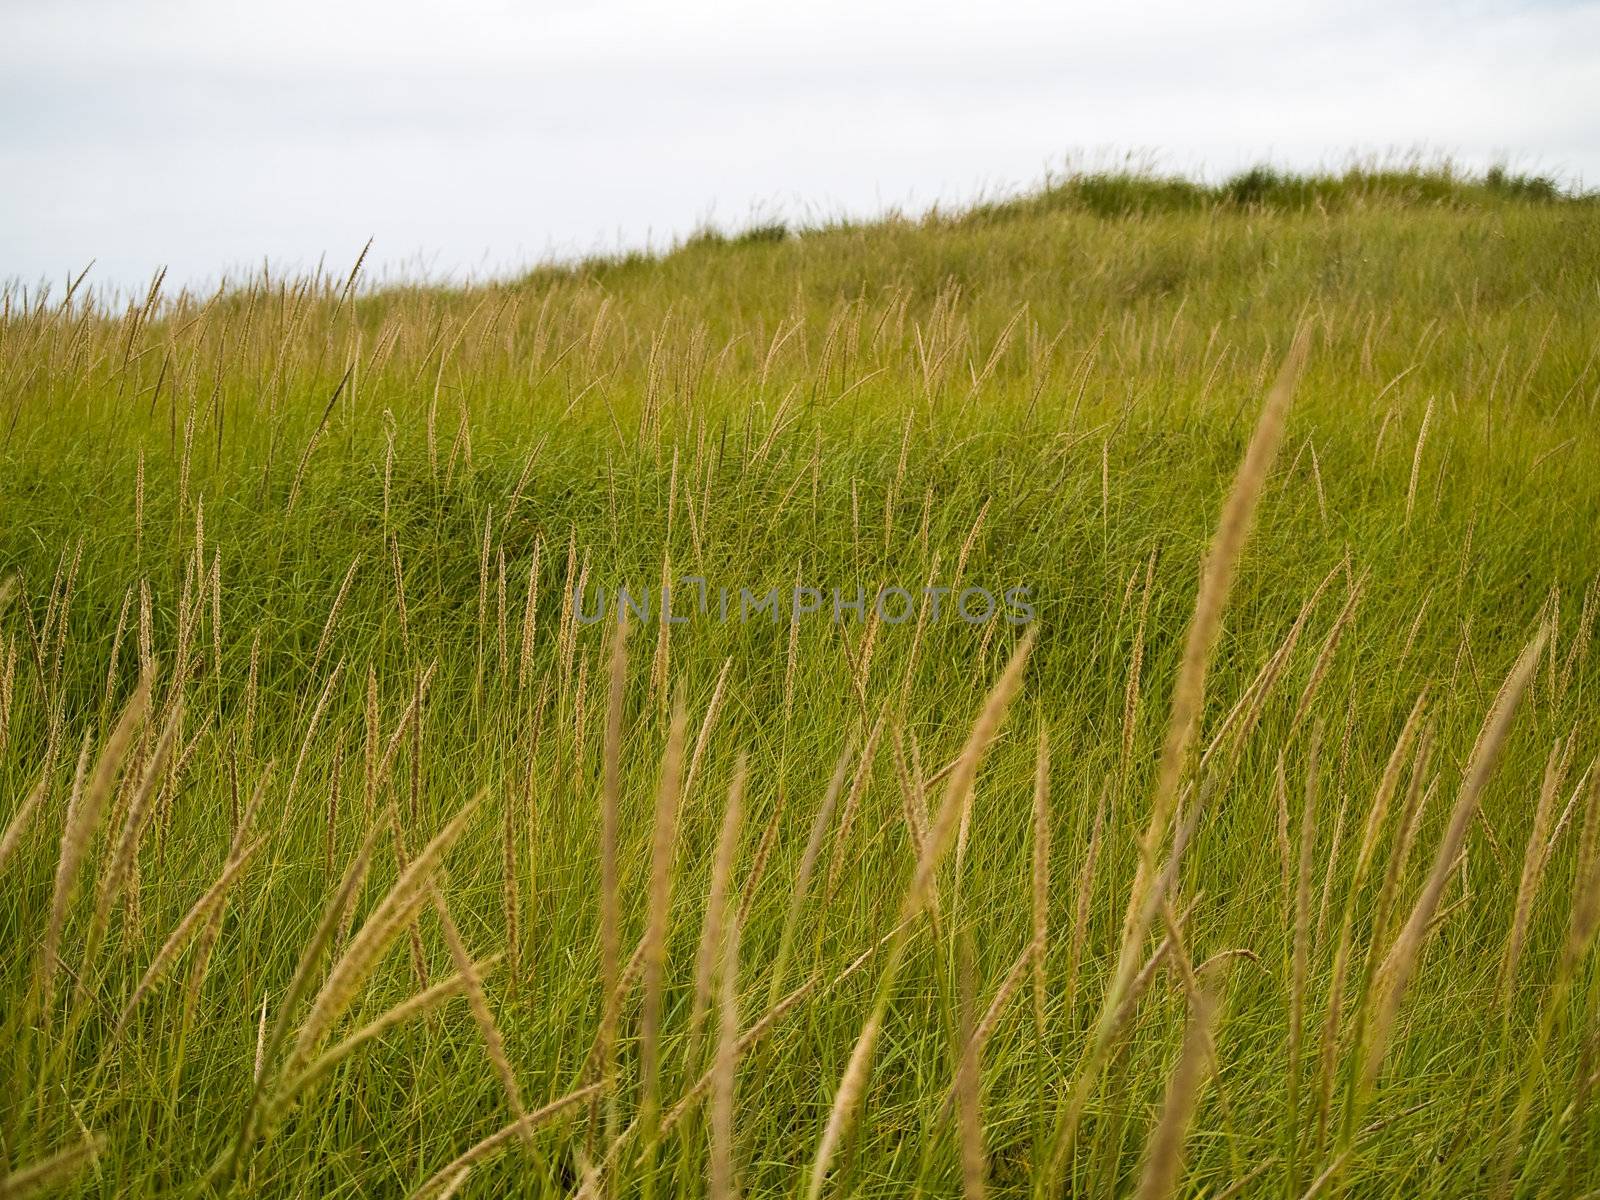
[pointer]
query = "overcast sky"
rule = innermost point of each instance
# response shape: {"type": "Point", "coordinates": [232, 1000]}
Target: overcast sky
{"type": "Point", "coordinates": [472, 138]}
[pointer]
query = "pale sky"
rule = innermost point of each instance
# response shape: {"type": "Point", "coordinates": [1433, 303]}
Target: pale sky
{"type": "Point", "coordinates": [470, 139]}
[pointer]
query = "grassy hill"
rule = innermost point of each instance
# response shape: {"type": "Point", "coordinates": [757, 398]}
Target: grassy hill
{"type": "Point", "coordinates": [1270, 864]}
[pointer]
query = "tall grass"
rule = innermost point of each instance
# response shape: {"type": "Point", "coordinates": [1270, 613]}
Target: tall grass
{"type": "Point", "coordinates": [342, 853]}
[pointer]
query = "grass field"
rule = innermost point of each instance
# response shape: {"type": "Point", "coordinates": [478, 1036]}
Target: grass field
{"type": "Point", "coordinates": [340, 857]}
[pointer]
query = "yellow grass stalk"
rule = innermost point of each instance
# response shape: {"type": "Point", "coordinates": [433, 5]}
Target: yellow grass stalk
{"type": "Point", "coordinates": [483, 588]}
{"type": "Point", "coordinates": [1416, 459]}
{"type": "Point", "coordinates": [1588, 848]}
{"type": "Point", "coordinates": [580, 711]}
{"type": "Point", "coordinates": [1572, 801]}
{"type": "Point", "coordinates": [611, 1010]}
{"type": "Point", "coordinates": [1534, 858]}
{"type": "Point", "coordinates": [425, 1000]}
{"type": "Point", "coordinates": [1578, 652]}
{"type": "Point", "coordinates": [50, 1174]}
{"type": "Point", "coordinates": [1241, 721]}
{"type": "Point", "coordinates": [1127, 595]}
{"type": "Point", "coordinates": [1376, 817]}
{"type": "Point", "coordinates": [127, 848]}
{"type": "Point", "coordinates": [6, 667]}
{"type": "Point", "coordinates": [913, 808]}
{"type": "Point", "coordinates": [511, 883]}
{"type": "Point", "coordinates": [1163, 1161]}
{"type": "Point", "coordinates": [1408, 944]}
{"type": "Point", "coordinates": [924, 614]}
{"type": "Point", "coordinates": [1324, 659]}
{"type": "Point", "coordinates": [1189, 690]}
{"type": "Point", "coordinates": [1316, 476]}
{"type": "Point", "coordinates": [530, 616]}
{"type": "Point", "coordinates": [12, 837]}
{"type": "Point", "coordinates": [714, 930]}
{"type": "Point", "coordinates": [968, 1086]}
{"type": "Point", "coordinates": [852, 1083]}
{"type": "Point", "coordinates": [393, 913]}
{"type": "Point", "coordinates": [146, 631]}
{"type": "Point", "coordinates": [1390, 779]}
{"type": "Point", "coordinates": [658, 667]}
{"type": "Point", "coordinates": [1280, 796]}
{"type": "Point", "coordinates": [63, 611]}
{"type": "Point", "coordinates": [855, 525]}
{"type": "Point", "coordinates": [967, 544]}
{"type": "Point", "coordinates": [802, 878]}
{"type": "Point", "coordinates": [571, 588]}
{"type": "Point", "coordinates": [724, 1080]}
{"type": "Point", "coordinates": [407, 720]}
{"type": "Point", "coordinates": [186, 618]}
{"type": "Point", "coordinates": [251, 694]}
{"type": "Point", "coordinates": [206, 943]}
{"type": "Point", "coordinates": [1041, 875]}
{"type": "Point", "coordinates": [1416, 628]}
{"type": "Point", "coordinates": [316, 436]}
{"type": "Point", "coordinates": [1582, 926]}
{"type": "Point", "coordinates": [311, 731]}
{"type": "Point", "coordinates": [374, 736]}
{"type": "Point", "coordinates": [169, 785]}
{"type": "Point", "coordinates": [216, 619]}
{"type": "Point", "coordinates": [610, 800]}
{"type": "Point", "coordinates": [332, 622]}
{"type": "Point", "coordinates": [478, 1002]}
{"type": "Point", "coordinates": [200, 911]}
{"type": "Point", "coordinates": [847, 814]}
{"type": "Point", "coordinates": [975, 1035]}
{"type": "Point", "coordinates": [446, 1176]}
{"type": "Point", "coordinates": [8, 678]}
{"type": "Point", "coordinates": [502, 649]}
{"type": "Point", "coordinates": [1330, 871]}
{"type": "Point", "coordinates": [983, 644]}
{"type": "Point", "coordinates": [400, 594]}
{"type": "Point", "coordinates": [863, 658]}
{"type": "Point", "coordinates": [763, 855]}
{"type": "Point", "coordinates": [792, 660]}
{"type": "Point", "coordinates": [267, 1047]}
{"type": "Point", "coordinates": [662, 847]}
{"type": "Point", "coordinates": [138, 504]}
{"type": "Point", "coordinates": [1300, 959]}
{"type": "Point", "coordinates": [893, 493]}
{"type": "Point", "coordinates": [1188, 696]}
{"type": "Point", "coordinates": [1419, 797]}
{"type": "Point", "coordinates": [675, 1115]}
{"type": "Point", "coordinates": [1085, 893]}
{"type": "Point", "coordinates": [1130, 699]}
{"type": "Point", "coordinates": [1237, 1187]}
{"type": "Point", "coordinates": [1009, 984]}
{"type": "Point", "coordinates": [83, 816]}
{"type": "Point", "coordinates": [707, 724]}
{"type": "Point", "coordinates": [1065, 1134]}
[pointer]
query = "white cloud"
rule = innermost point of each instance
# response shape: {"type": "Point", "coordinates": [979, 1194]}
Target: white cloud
{"type": "Point", "coordinates": [484, 135]}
